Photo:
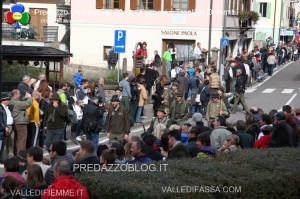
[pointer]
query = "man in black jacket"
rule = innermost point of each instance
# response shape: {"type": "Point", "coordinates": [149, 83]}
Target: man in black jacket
{"type": "Point", "coordinates": [240, 91]}
{"type": "Point", "coordinates": [8, 121]}
{"type": "Point", "coordinates": [91, 120]}
{"type": "Point", "coordinates": [54, 121]}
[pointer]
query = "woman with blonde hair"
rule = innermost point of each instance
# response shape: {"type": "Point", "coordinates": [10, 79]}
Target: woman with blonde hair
{"type": "Point", "coordinates": [231, 144]}
{"type": "Point", "coordinates": [159, 129]}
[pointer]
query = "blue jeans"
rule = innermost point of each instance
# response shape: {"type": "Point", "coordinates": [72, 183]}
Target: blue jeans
{"type": "Point", "coordinates": [270, 69]}
{"type": "Point", "coordinates": [54, 135]}
{"type": "Point", "coordinates": [94, 138]}
{"type": "Point", "coordinates": [79, 128]}
{"type": "Point", "coordinates": [138, 114]}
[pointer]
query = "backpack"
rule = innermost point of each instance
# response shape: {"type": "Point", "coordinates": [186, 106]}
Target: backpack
{"type": "Point", "coordinates": [72, 117]}
{"type": "Point", "coordinates": [203, 96]}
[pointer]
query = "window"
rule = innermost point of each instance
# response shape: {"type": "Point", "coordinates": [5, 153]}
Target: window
{"type": "Point", "coordinates": [179, 5]}
{"type": "Point", "coordinates": [110, 4]}
{"type": "Point", "coordinates": [146, 4]}
{"type": "Point", "coordinates": [106, 50]}
{"type": "Point", "coordinates": [263, 9]}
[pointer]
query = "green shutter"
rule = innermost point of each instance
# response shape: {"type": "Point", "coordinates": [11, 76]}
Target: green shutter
{"type": "Point", "coordinates": [268, 10]}
{"type": "Point", "coordinates": [257, 7]}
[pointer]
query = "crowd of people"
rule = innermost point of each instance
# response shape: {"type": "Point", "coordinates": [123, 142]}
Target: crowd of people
{"type": "Point", "coordinates": [35, 117]}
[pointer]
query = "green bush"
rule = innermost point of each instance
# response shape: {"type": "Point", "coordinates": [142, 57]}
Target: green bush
{"type": "Point", "coordinates": [92, 74]}
{"type": "Point", "coordinates": [272, 173]}
{"type": "Point", "coordinates": [15, 72]}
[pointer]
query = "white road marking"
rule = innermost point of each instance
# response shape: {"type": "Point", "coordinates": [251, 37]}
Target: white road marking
{"type": "Point", "coordinates": [290, 100]}
{"type": "Point", "coordinates": [269, 90]}
{"type": "Point", "coordinates": [288, 91]}
{"type": "Point", "coordinates": [250, 90]}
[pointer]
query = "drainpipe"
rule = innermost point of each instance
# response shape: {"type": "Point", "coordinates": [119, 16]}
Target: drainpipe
{"type": "Point", "coordinates": [209, 34]}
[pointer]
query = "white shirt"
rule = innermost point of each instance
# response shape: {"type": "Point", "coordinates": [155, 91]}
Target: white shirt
{"type": "Point", "coordinates": [173, 73]}
{"type": "Point", "coordinates": [247, 68]}
{"type": "Point", "coordinates": [197, 52]}
{"type": "Point", "coordinates": [9, 118]}
{"type": "Point", "coordinates": [78, 112]}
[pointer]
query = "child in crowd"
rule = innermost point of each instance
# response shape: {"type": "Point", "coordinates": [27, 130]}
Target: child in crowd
{"type": "Point", "coordinates": [260, 76]}
{"type": "Point", "coordinates": [78, 110]}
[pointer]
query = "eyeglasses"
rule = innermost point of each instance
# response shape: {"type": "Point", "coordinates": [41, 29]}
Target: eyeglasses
{"type": "Point", "coordinates": [228, 140]}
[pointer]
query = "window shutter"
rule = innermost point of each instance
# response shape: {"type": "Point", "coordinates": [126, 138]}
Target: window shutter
{"type": "Point", "coordinates": [268, 10]}
{"type": "Point", "coordinates": [167, 5]}
{"type": "Point", "coordinates": [133, 4]}
{"type": "Point", "coordinates": [122, 4]}
{"type": "Point", "coordinates": [99, 4]}
{"type": "Point", "coordinates": [257, 5]}
{"type": "Point", "coordinates": [192, 5]}
{"type": "Point", "coordinates": [157, 5]}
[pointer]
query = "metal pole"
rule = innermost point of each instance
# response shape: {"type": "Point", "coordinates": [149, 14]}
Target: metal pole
{"type": "Point", "coordinates": [274, 22]}
{"type": "Point", "coordinates": [280, 19]}
{"type": "Point", "coordinates": [118, 67]}
{"type": "Point", "coordinates": [209, 34]}
{"type": "Point", "coordinates": [223, 56]}
{"type": "Point", "coordinates": [1, 49]}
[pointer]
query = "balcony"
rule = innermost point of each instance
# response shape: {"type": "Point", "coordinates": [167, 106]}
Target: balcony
{"type": "Point", "coordinates": [49, 34]}
{"type": "Point", "coordinates": [63, 12]}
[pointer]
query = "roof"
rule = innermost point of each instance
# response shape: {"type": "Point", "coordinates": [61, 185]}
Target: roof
{"type": "Point", "coordinates": [32, 53]}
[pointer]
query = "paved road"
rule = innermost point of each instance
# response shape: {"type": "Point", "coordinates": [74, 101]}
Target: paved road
{"type": "Point", "coordinates": [280, 89]}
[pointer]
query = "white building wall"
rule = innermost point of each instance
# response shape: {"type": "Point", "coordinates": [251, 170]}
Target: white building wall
{"type": "Point", "coordinates": [99, 35]}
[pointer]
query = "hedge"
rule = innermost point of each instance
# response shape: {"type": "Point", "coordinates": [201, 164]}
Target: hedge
{"type": "Point", "coordinates": [271, 173]}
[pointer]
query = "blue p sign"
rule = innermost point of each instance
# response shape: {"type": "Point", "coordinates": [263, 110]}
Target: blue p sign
{"type": "Point", "coordinates": [120, 41]}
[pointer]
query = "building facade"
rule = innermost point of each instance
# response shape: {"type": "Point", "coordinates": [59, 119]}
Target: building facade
{"type": "Point", "coordinates": [44, 29]}
{"type": "Point", "coordinates": [160, 23]}
{"type": "Point", "coordinates": [277, 22]}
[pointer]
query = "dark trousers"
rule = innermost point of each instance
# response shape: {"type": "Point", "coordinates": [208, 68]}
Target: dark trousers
{"type": "Point", "coordinates": [8, 144]}
{"type": "Point", "coordinates": [32, 136]}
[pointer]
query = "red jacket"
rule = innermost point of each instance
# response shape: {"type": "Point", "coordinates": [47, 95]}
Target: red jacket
{"type": "Point", "coordinates": [263, 142]}
{"type": "Point", "coordinates": [66, 187]}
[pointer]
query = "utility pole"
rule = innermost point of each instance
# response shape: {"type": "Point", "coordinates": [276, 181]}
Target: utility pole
{"type": "Point", "coordinates": [209, 34]}
{"type": "Point", "coordinates": [274, 21]}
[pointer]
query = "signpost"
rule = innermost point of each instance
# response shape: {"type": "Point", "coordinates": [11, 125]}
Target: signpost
{"type": "Point", "coordinates": [120, 46]}
{"type": "Point", "coordinates": [224, 42]}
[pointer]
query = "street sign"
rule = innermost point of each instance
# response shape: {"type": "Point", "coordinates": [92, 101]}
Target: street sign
{"type": "Point", "coordinates": [120, 41]}
{"type": "Point", "coordinates": [224, 42]}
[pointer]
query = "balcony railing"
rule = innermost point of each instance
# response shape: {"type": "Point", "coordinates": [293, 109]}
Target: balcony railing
{"type": "Point", "coordinates": [49, 34]}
